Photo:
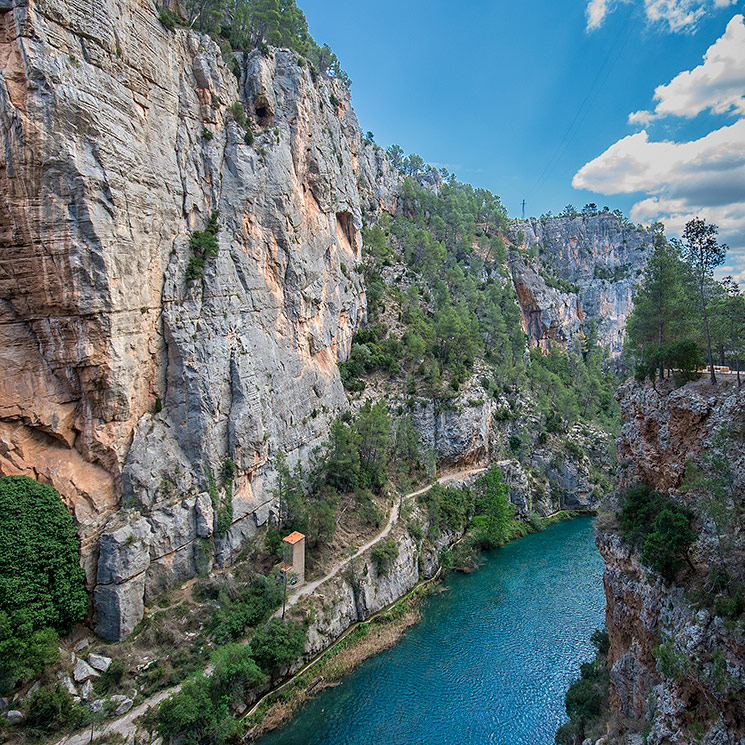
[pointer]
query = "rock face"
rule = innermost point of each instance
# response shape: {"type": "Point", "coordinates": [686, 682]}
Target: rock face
{"type": "Point", "coordinates": [155, 404]}
{"type": "Point", "coordinates": [571, 270]}
{"type": "Point", "coordinates": [694, 693]}
{"type": "Point", "coordinates": [122, 383]}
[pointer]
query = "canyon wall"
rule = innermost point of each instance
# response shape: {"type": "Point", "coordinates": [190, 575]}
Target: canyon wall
{"type": "Point", "coordinates": [571, 270]}
{"type": "Point", "coordinates": [152, 385]}
{"type": "Point", "coordinates": [676, 652]}
{"type": "Point", "coordinates": [125, 385]}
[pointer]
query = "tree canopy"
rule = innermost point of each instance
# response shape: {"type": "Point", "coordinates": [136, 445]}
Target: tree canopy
{"type": "Point", "coordinates": [42, 586]}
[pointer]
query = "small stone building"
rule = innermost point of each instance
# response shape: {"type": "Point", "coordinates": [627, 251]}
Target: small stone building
{"type": "Point", "coordinates": [294, 555]}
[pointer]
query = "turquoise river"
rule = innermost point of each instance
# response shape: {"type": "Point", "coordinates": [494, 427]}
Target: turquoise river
{"type": "Point", "coordinates": [489, 662]}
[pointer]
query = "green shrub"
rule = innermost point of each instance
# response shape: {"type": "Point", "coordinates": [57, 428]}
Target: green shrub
{"type": "Point", "coordinates": [253, 604]}
{"type": "Point", "coordinates": [659, 527]}
{"type": "Point", "coordinates": [203, 244]}
{"type": "Point", "coordinates": [51, 709]}
{"type": "Point", "coordinates": [587, 699]}
{"type": "Point", "coordinates": [111, 677]}
{"type": "Point", "coordinates": [236, 676]}
{"type": "Point", "coordinates": [42, 586]}
{"type": "Point", "coordinates": [207, 134]}
{"type": "Point", "coordinates": [192, 716]}
{"type": "Point", "coordinates": [238, 114]}
{"type": "Point", "coordinates": [384, 553]}
{"type": "Point", "coordinates": [575, 449]}
{"type": "Point", "coordinates": [448, 508]}
{"type": "Point", "coordinates": [666, 547]}
{"type": "Point", "coordinates": [277, 645]}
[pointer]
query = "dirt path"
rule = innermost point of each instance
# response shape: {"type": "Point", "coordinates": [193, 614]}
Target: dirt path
{"type": "Point", "coordinates": [125, 725]}
{"type": "Point", "coordinates": [311, 587]}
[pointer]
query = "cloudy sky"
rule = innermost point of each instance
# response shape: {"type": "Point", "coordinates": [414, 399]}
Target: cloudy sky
{"type": "Point", "coordinates": [634, 104]}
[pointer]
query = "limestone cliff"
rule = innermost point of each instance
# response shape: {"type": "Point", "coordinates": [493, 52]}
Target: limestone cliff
{"type": "Point", "coordinates": [132, 378]}
{"type": "Point", "coordinates": [124, 384]}
{"type": "Point", "coordinates": [677, 650]}
{"type": "Point", "coordinates": [571, 270]}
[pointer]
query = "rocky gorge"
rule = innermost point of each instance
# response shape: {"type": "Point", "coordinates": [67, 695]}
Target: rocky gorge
{"type": "Point", "coordinates": [130, 376]}
{"type": "Point", "coordinates": [676, 649]}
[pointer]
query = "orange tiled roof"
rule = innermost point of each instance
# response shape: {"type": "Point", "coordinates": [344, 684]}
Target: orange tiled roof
{"type": "Point", "coordinates": [293, 538]}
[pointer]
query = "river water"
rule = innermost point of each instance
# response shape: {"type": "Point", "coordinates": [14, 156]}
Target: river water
{"type": "Point", "coordinates": [490, 661]}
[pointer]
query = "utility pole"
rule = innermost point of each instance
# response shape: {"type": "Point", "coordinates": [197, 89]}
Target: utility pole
{"type": "Point", "coordinates": [523, 209]}
{"type": "Point", "coordinates": [284, 594]}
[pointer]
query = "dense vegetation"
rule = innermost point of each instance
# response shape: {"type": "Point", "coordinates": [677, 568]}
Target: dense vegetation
{"type": "Point", "coordinates": [683, 318]}
{"type": "Point", "coordinates": [204, 710]}
{"type": "Point", "coordinates": [42, 586]}
{"type": "Point", "coordinates": [456, 305]}
{"type": "Point", "coordinates": [243, 25]}
{"type": "Point", "coordinates": [659, 527]}
{"type": "Point", "coordinates": [588, 697]}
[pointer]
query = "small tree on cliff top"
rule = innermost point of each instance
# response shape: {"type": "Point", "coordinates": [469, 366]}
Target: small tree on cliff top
{"type": "Point", "coordinates": [703, 254]}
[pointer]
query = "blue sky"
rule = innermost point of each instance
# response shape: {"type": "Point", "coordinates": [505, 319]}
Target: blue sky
{"type": "Point", "coordinates": [518, 97]}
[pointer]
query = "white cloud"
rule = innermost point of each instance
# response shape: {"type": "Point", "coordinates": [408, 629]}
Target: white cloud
{"type": "Point", "coordinates": [673, 15]}
{"type": "Point", "coordinates": [596, 12]}
{"type": "Point", "coordinates": [704, 177]}
{"type": "Point", "coordinates": [641, 117]}
{"type": "Point", "coordinates": [718, 84]}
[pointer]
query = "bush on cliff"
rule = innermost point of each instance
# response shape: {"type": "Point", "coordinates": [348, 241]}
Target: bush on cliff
{"type": "Point", "coordinates": [659, 527]}
{"type": "Point", "coordinates": [42, 586]}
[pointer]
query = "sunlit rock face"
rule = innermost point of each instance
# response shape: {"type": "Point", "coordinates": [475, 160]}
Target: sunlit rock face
{"type": "Point", "coordinates": [121, 383]}
{"type": "Point", "coordinates": [572, 270]}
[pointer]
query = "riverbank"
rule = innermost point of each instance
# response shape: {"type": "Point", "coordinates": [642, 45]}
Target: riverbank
{"type": "Point", "coordinates": [367, 639]}
{"type": "Point", "coordinates": [496, 652]}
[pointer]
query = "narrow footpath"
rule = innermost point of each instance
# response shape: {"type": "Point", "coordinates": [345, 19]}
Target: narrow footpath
{"type": "Point", "coordinates": [125, 725]}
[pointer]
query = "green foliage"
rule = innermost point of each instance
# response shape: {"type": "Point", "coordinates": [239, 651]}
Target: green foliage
{"type": "Point", "coordinates": [52, 710]}
{"type": "Point", "coordinates": [255, 24]}
{"type": "Point", "coordinates": [235, 675]}
{"type": "Point", "coordinates": [587, 699]}
{"type": "Point", "coordinates": [277, 644]}
{"type": "Point", "coordinates": [252, 604]}
{"type": "Point", "coordinates": [111, 677]}
{"type": "Point", "coordinates": [571, 385]}
{"type": "Point", "coordinates": [42, 586]}
{"type": "Point", "coordinates": [195, 715]}
{"type": "Point", "coordinates": [660, 527]}
{"type": "Point", "coordinates": [374, 437]}
{"type": "Point", "coordinates": [495, 513]}
{"type": "Point", "coordinates": [666, 547]}
{"type": "Point", "coordinates": [683, 357]}
{"type": "Point", "coordinates": [448, 508]}
{"type": "Point", "coordinates": [672, 663]}
{"type": "Point", "coordinates": [342, 462]}
{"type": "Point", "coordinates": [384, 553]}
{"type": "Point", "coordinates": [203, 244]}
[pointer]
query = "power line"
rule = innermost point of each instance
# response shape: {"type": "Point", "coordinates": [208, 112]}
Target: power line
{"type": "Point", "coordinates": [592, 92]}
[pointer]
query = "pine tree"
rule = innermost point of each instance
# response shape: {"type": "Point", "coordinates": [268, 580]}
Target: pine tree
{"type": "Point", "coordinates": [703, 254]}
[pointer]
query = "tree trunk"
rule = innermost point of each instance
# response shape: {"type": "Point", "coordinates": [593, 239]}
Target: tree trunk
{"type": "Point", "coordinates": [708, 336]}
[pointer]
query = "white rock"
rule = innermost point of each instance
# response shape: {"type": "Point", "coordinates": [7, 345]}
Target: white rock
{"type": "Point", "coordinates": [83, 671]}
{"type": "Point", "coordinates": [99, 662]}
{"type": "Point", "coordinates": [86, 690]}
{"type": "Point", "coordinates": [69, 686]}
{"type": "Point", "coordinates": [123, 704]}
{"type": "Point", "coordinates": [14, 716]}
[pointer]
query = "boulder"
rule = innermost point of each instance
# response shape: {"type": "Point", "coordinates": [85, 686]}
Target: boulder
{"type": "Point", "coordinates": [14, 716]}
{"type": "Point", "coordinates": [123, 704]}
{"type": "Point", "coordinates": [83, 671]}
{"type": "Point", "coordinates": [99, 662]}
